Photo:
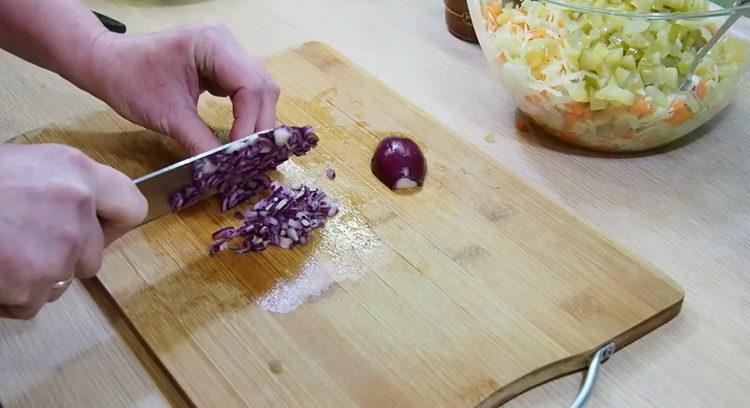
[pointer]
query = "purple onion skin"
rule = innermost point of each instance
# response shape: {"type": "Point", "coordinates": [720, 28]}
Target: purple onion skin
{"type": "Point", "coordinates": [399, 163]}
{"type": "Point", "coordinates": [330, 173]}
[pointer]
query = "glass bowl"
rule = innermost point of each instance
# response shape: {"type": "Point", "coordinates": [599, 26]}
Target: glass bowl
{"type": "Point", "coordinates": [608, 74]}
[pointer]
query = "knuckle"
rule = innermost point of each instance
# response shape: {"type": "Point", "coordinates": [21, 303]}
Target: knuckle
{"type": "Point", "coordinates": [214, 30]}
{"type": "Point", "coordinates": [272, 87]}
{"type": "Point", "coordinates": [44, 271]}
{"type": "Point", "coordinates": [115, 177]}
{"type": "Point", "coordinates": [256, 88]}
{"type": "Point", "coordinates": [68, 234]}
{"type": "Point", "coordinates": [191, 145]}
{"type": "Point", "coordinates": [73, 157]}
{"type": "Point", "coordinates": [72, 191]}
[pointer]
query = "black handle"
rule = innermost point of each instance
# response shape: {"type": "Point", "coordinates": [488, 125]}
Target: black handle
{"type": "Point", "coordinates": [111, 24]}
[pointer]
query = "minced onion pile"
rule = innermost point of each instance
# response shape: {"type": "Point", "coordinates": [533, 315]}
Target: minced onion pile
{"type": "Point", "coordinates": [284, 218]}
{"type": "Point", "coordinates": [239, 173]}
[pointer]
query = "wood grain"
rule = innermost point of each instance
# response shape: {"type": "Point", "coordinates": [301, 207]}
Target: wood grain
{"type": "Point", "coordinates": [101, 363]}
{"type": "Point", "coordinates": [466, 293]}
{"type": "Point", "coordinates": [684, 209]}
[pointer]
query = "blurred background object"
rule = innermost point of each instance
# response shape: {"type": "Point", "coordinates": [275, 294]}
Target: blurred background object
{"type": "Point", "coordinates": [111, 24]}
{"type": "Point", "coordinates": [458, 19]}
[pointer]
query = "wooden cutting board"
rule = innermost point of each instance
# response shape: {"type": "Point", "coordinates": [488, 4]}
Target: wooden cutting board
{"type": "Point", "coordinates": [465, 293]}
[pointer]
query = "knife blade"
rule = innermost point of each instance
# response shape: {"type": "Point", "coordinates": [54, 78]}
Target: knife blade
{"type": "Point", "coordinates": [158, 186]}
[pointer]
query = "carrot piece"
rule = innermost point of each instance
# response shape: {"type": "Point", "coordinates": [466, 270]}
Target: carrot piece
{"type": "Point", "coordinates": [569, 137]}
{"type": "Point", "coordinates": [641, 107]}
{"type": "Point", "coordinates": [701, 89]}
{"type": "Point", "coordinates": [501, 59]}
{"type": "Point", "coordinates": [571, 119]}
{"type": "Point", "coordinates": [494, 10]}
{"type": "Point", "coordinates": [578, 108]}
{"type": "Point", "coordinates": [538, 34]}
{"type": "Point", "coordinates": [612, 112]}
{"type": "Point", "coordinates": [537, 98]}
{"type": "Point", "coordinates": [522, 125]}
{"type": "Point", "coordinates": [679, 113]}
{"type": "Point", "coordinates": [491, 25]}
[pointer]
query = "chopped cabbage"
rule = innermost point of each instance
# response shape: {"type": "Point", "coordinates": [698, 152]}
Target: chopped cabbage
{"type": "Point", "coordinates": [612, 82]}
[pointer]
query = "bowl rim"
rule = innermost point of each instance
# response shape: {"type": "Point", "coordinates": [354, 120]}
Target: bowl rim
{"type": "Point", "coordinates": [661, 15]}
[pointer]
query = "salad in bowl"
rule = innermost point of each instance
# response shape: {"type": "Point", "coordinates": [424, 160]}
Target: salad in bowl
{"type": "Point", "coordinates": [607, 74]}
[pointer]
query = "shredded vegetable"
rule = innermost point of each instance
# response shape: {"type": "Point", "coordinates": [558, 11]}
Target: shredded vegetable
{"type": "Point", "coordinates": [285, 218]}
{"type": "Point", "coordinates": [240, 172]}
{"type": "Point", "coordinates": [612, 82]}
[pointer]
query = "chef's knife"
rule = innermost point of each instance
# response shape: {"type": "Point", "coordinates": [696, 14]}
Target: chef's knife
{"type": "Point", "coordinates": [158, 186]}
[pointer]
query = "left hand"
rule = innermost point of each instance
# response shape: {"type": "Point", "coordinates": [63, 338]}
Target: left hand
{"type": "Point", "coordinates": [155, 80]}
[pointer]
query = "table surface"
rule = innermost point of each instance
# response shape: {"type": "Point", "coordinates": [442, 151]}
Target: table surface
{"type": "Point", "coordinates": [686, 210]}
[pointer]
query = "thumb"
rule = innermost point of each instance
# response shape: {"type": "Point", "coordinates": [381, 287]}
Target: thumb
{"type": "Point", "coordinates": [190, 130]}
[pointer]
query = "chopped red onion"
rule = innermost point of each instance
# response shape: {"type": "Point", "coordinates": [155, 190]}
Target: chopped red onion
{"type": "Point", "coordinates": [330, 173]}
{"type": "Point", "coordinates": [239, 173]}
{"type": "Point", "coordinates": [244, 190]}
{"type": "Point", "coordinates": [285, 218]}
{"type": "Point", "coordinates": [399, 163]}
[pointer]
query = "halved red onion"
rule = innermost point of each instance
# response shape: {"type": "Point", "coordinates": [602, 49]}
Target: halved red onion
{"type": "Point", "coordinates": [399, 163]}
{"type": "Point", "coordinates": [239, 173]}
{"type": "Point", "coordinates": [285, 218]}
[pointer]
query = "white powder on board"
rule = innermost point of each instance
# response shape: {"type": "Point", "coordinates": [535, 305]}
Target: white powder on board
{"type": "Point", "coordinates": [348, 249]}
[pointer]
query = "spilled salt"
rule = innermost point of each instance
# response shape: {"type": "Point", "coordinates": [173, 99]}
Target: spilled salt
{"type": "Point", "coordinates": [348, 248]}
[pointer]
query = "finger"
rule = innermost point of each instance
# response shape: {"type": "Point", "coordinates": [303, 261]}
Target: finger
{"type": "Point", "coordinates": [224, 63]}
{"type": "Point", "coordinates": [118, 200]}
{"type": "Point", "coordinates": [111, 232]}
{"type": "Point", "coordinates": [90, 258]}
{"type": "Point", "coordinates": [57, 291]}
{"type": "Point", "coordinates": [246, 105]}
{"type": "Point", "coordinates": [192, 131]}
{"type": "Point", "coordinates": [32, 307]}
{"type": "Point", "coordinates": [267, 115]}
{"type": "Point", "coordinates": [213, 88]}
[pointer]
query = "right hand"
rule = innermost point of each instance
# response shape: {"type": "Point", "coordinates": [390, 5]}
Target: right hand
{"type": "Point", "coordinates": [59, 209]}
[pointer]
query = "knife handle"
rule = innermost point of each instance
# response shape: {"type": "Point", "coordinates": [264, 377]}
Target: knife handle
{"type": "Point", "coordinates": [111, 24]}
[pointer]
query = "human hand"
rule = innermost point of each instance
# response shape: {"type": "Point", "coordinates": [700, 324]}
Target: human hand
{"type": "Point", "coordinates": [155, 80]}
{"type": "Point", "coordinates": [60, 209]}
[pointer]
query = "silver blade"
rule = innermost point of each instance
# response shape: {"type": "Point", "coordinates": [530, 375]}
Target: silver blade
{"type": "Point", "coordinates": [158, 186]}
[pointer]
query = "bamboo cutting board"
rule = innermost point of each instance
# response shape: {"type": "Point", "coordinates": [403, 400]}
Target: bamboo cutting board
{"type": "Point", "coordinates": [465, 293]}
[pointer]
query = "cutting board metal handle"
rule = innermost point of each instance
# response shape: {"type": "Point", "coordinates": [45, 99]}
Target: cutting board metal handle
{"type": "Point", "coordinates": [588, 385]}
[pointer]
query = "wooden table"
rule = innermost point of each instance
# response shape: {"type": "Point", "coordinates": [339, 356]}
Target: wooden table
{"type": "Point", "coordinates": [686, 210]}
